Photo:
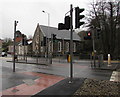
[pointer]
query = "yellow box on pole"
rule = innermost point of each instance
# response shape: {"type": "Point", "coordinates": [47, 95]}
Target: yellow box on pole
{"type": "Point", "coordinates": [92, 53]}
{"type": "Point", "coordinates": [68, 58]}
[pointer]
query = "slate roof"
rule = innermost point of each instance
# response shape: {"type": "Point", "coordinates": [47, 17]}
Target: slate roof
{"type": "Point", "coordinates": [60, 34]}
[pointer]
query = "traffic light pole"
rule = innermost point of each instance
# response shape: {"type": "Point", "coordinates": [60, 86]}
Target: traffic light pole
{"type": "Point", "coordinates": [71, 43]}
{"type": "Point", "coordinates": [69, 25]}
{"type": "Point", "coordinates": [93, 38]}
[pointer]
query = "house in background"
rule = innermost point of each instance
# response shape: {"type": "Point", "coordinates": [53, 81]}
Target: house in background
{"type": "Point", "coordinates": [51, 40]}
{"type": "Point", "coordinates": [21, 47]}
{"type": "Point", "coordinates": [29, 47]}
{"type": "Point", "coordinates": [1, 42]}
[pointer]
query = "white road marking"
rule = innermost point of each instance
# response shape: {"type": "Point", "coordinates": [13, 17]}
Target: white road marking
{"type": "Point", "coordinates": [115, 76]}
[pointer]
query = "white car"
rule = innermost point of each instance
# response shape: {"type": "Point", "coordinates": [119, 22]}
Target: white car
{"type": "Point", "coordinates": [4, 54]}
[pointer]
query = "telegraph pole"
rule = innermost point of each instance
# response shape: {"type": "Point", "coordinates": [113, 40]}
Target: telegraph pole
{"type": "Point", "coordinates": [15, 24]}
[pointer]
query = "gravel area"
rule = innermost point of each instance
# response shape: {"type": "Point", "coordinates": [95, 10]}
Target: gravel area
{"type": "Point", "coordinates": [98, 88]}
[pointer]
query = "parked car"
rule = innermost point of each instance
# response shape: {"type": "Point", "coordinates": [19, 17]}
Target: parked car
{"type": "Point", "coordinates": [4, 54]}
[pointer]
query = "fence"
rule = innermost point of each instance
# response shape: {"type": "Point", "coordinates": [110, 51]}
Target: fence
{"type": "Point", "coordinates": [33, 59]}
{"type": "Point", "coordinates": [61, 58]}
{"type": "Point", "coordinates": [42, 59]}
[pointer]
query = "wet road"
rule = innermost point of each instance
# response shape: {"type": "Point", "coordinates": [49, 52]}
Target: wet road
{"type": "Point", "coordinates": [82, 69]}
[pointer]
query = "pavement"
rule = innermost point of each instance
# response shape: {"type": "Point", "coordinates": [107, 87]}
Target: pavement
{"type": "Point", "coordinates": [39, 84]}
{"type": "Point", "coordinates": [30, 86]}
{"type": "Point", "coordinates": [81, 87]}
{"type": "Point", "coordinates": [64, 88]}
{"type": "Point", "coordinates": [12, 79]}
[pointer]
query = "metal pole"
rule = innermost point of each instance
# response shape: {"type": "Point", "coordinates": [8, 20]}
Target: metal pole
{"type": "Point", "coordinates": [47, 41]}
{"type": "Point", "coordinates": [24, 45]}
{"type": "Point", "coordinates": [71, 43]}
{"type": "Point", "coordinates": [93, 37]}
{"type": "Point", "coordinates": [49, 50]}
{"type": "Point", "coordinates": [15, 24]}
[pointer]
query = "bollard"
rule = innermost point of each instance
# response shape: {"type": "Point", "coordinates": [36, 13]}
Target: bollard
{"type": "Point", "coordinates": [109, 60]}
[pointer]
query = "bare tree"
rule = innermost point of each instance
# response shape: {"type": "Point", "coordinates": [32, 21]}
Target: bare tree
{"type": "Point", "coordinates": [106, 16]}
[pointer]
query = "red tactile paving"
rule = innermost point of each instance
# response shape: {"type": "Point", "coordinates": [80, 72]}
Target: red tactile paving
{"type": "Point", "coordinates": [44, 81]}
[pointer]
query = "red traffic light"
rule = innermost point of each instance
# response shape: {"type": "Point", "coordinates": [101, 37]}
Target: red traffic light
{"type": "Point", "coordinates": [89, 34]}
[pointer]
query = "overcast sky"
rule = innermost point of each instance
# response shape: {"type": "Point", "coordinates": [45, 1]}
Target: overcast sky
{"type": "Point", "coordinates": [29, 12]}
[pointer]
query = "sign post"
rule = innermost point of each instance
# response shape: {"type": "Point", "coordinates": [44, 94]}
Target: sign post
{"type": "Point", "coordinates": [14, 55]}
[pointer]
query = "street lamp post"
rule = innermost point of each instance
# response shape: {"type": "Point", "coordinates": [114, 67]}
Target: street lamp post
{"type": "Point", "coordinates": [48, 17]}
{"type": "Point", "coordinates": [47, 48]}
{"type": "Point", "coordinates": [15, 24]}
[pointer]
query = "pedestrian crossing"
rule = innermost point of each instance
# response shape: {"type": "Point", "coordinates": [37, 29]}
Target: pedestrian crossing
{"type": "Point", "coordinates": [115, 76]}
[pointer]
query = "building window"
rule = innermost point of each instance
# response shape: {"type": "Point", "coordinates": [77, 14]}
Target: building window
{"type": "Point", "coordinates": [74, 47]}
{"type": "Point", "coordinates": [59, 46]}
{"type": "Point", "coordinates": [67, 46]}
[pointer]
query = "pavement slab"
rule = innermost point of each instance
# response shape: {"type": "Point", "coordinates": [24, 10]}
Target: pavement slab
{"type": "Point", "coordinates": [31, 87]}
{"type": "Point", "coordinates": [12, 79]}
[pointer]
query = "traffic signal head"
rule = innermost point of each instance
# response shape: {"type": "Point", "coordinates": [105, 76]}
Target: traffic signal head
{"type": "Point", "coordinates": [88, 37]}
{"type": "Point", "coordinates": [89, 34]}
{"type": "Point", "coordinates": [98, 33]}
{"type": "Point", "coordinates": [61, 26]}
{"type": "Point", "coordinates": [67, 22]}
{"type": "Point", "coordinates": [54, 37]}
{"type": "Point", "coordinates": [78, 17]}
{"type": "Point", "coordinates": [66, 25]}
